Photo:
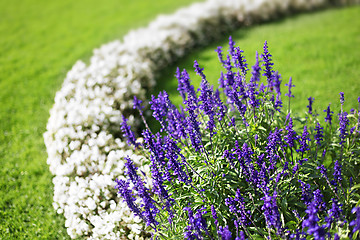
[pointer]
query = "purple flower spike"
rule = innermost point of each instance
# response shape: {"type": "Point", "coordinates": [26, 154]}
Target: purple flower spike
{"type": "Point", "coordinates": [199, 70]}
{"type": "Point", "coordinates": [311, 101]}
{"type": "Point", "coordinates": [271, 211]}
{"type": "Point", "coordinates": [342, 98]}
{"type": "Point", "coordinates": [255, 74]}
{"type": "Point", "coordinates": [329, 113]}
{"type": "Point", "coordinates": [319, 134]}
{"type": "Point", "coordinates": [240, 61]}
{"type": "Point", "coordinates": [311, 222]}
{"type": "Point", "coordinates": [219, 53]}
{"type": "Point", "coordinates": [337, 172]}
{"type": "Point", "coordinates": [304, 141]}
{"type": "Point", "coordinates": [231, 46]}
{"type": "Point", "coordinates": [344, 122]}
{"type": "Point", "coordinates": [323, 171]}
{"type": "Point", "coordinates": [126, 194]}
{"type": "Point", "coordinates": [137, 103]}
{"type": "Point", "coordinates": [214, 215]}
{"type": "Point", "coordinates": [127, 133]}
{"type": "Point", "coordinates": [291, 135]}
{"type": "Point", "coordinates": [224, 233]}
{"type": "Point", "coordinates": [266, 56]}
{"type": "Point", "coordinates": [289, 85]}
{"type": "Point", "coordinates": [356, 223]}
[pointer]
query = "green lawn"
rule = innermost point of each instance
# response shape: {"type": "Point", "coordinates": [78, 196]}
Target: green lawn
{"type": "Point", "coordinates": [321, 51]}
{"type": "Point", "coordinates": [41, 40]}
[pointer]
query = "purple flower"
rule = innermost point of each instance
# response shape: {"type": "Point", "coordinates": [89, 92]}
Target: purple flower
{"type": "Point", "coordinates": [231, 46]}
{"type": "Point", "coordinates": [208, 104]}
{"type": "Point", "coordinates": [311, 222]}
{"type": "Point", "coordinates": [224, 233]}
{"type": "Point", "coordinates": [289, 85]}
{"type": "Point", "coordinates": [214, 215]}
{"type": "Point", "coordinates": [172, 154]}
{"type": "Point", "coordinates": [266, 56]}
{"type": "Point", "coordinates": [127, 133]}
{"type": "Point", "coordinates": [318, 200]}
{"type": "Point", "coordinates": [342, 98]}
{"type": "Point", "coordinates": [356, 222]}
{"type": "Point", "coordinates": [193, 129]}
{"type": "Point", "coordinates": [159, 106]}
{"type": "Point", "coordinates": [295, 168]}
{"type": "Point", "coordinates": [236, 206]}
{"type": "Point", "coordinates": [334, 214]}
{"type": "Point", "coordinates": [311, 100]}
{"type": "Point", "coordinates": [222, 109]}
{"type": "Point", "coordinates": [239, 60]}
{"type": "Point", "coordinates": [255, 74]}
{"type": "Point", "coordinates": [319, 134]}
{"type": "Point", "coordinates": [219, 53]}
{"type": "Point", "coordinates": [291, 135]}
{"type": "Point", "coordinates": [277, 82]}
{"type": "Point", "coordinates": [137, 104]}
{"type": "Point", "coordinates": [306, 194]}
{"type": "Point", "coordinates": [197, 223]}
{"type": "Point", "coordinates": [222, 80]}
{"type": "Point", "coordinates": [274, 142]}
{"type": "Point", "coordinates": [282, 173]}
{"type": "Point", "coordinates": [176, 122]}
{"type": "Point", "coordinates": [343, 122]}
{"type": "Point", "coordinates": [199, 71]}
{"type": "Point", "coordinates": [186, 89]}
{"type": "Point", "coordinates": [329, 113]}
{"type": "Point", "coordinates": [271, 211]}
{"type": "Point", "coordinates": [323, 171]}
{"type": "Point", "coordinates": [150, 211]}
{"type": "Point", "coordinates": [337, 172]}
{"type": "Point", "coordinates": [241, 236]}
{"type": "Point", "coordinates": [126, 194]}
{"type": "Point", "coordinates": [304, 139]}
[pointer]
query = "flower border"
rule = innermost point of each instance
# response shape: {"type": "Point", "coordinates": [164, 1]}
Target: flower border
{"type": "Point", "coordinates": [83, 141]}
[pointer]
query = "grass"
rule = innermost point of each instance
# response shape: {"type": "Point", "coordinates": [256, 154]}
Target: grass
{"type": "Point", "coordinates": [41, 40]}
{"type": "Point", "coordinates": [319, 50]}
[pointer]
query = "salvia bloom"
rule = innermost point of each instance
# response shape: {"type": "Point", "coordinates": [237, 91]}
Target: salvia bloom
{"type": "Point", "coordinates": [291, 135]}
{"type": "Point", "coordinates": [271, 212]}
{"type": "Point", "coordinates": [127, 133]}
{"type": "Point", "coordinates": [304, 139]}
{"type": "Point", "coordinates": [311, 222]}
{"type": "Point", "coordinates": [343, 122]}
{"type": "Point", "coordinates": [311, 101]}
{"type": "Point", "coordinates": [337, 172]}
{"type": "Point", "coordinates": [329, 113]}
{"type": "Point", "coordinates": [230, 164]}
{"type": "Point", "coordinates": [289, 85]}
{"type": "Point", "coordinates": [342, 98]}
{"type": "Point", "coordinates": [224, 233]}
{"type": "Point", "coordinates": [319, 135]}
{"type": "Point", "coordinates": [334, 214]}
{"type": "Point", "coordinates": [268, 65]}
{"type": "Point", "coordinates": [356, 223]}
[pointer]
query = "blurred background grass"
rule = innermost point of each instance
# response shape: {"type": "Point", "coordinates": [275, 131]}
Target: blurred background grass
{"type": "Point", "coordinates": [41, 40]}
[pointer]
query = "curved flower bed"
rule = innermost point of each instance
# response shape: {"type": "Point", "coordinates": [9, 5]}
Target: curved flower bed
{"type": "Point", "coordinates": [83, 140]}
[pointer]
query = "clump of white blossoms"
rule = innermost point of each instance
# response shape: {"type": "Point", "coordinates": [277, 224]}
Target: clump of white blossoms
{"type": "Point", "coordinates": [83, 138]}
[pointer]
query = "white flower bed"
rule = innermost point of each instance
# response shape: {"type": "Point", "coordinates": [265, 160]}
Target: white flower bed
{"type": "Point", "coordinates": [85, 152]}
